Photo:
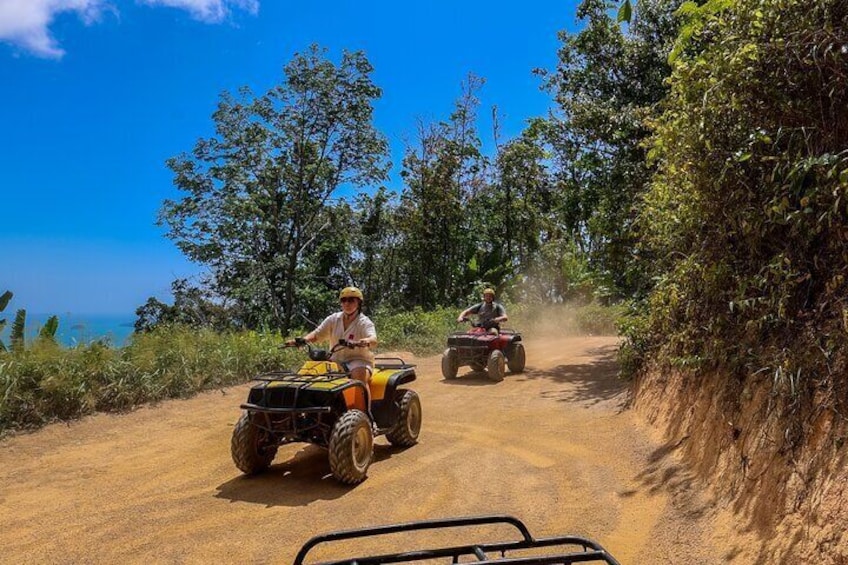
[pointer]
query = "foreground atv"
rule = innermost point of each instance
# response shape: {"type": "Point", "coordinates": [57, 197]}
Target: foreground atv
{"type": "Point", "coordinates": [524, 551]}
{"type": "Point", "coordinates": [321, 404]}
{"type": "Point", "coordinates": [482, 350]}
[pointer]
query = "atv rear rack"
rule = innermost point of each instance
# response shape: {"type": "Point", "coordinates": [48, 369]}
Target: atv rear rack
{"type": "Point", "coordinates": [564, 549]}
{"type": "Point", "coordinates": [391, 363]}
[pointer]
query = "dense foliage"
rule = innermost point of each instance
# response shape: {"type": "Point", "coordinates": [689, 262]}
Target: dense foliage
{"type": "Point", "coordinates": [748, 215]}
{"type": "Point", "coordinates": [607, 85]}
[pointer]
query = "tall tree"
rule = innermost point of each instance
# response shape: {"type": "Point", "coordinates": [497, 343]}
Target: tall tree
{"type": "Point", "coordinates": [441, 176]}
{"type": "Point", "coordinates": [517, 205]}
{"type": "Point", "coordinates": [256, 194]}
{"type": "Point", "coordinates": [607, 85]}
{"type": "Point", "coordinates": [377, 256]}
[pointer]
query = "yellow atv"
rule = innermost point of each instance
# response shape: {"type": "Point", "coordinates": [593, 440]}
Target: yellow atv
{"type": "Point", "coordinates": [321, 404]}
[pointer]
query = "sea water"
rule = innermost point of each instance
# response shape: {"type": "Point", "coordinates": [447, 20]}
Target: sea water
{"type": "Point", "coordinates": [76, 329]}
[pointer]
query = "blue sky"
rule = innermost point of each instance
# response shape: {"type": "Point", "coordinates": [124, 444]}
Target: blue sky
{"type": "Point", "coordinates": [97, 94]}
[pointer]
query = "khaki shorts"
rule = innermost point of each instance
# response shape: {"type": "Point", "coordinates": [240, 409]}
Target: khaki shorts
{"type": "Point", "coordinates": [357, 363]}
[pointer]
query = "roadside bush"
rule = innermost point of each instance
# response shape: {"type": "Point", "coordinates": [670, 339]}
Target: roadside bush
{"type": "Point", "coordinates": [416, 331]}
{"type": "Point", "coordinates": [46, 382]}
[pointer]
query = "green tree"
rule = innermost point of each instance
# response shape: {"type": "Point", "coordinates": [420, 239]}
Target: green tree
{"type": "Point", "coordinates": [607, 86]}
{"type": "Point", "coordinates": [378, 258]}
{"type": "Point", "coordinates": [516, 207]}
{"type": "Point", "coordinates": [193, 306]}
{"type": "Point", "coordinates": [256, 194]}
{"type": "Point", "coordinates": [442, 175]}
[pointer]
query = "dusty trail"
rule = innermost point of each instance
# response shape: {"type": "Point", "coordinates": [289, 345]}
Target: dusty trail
{"type": "Point", "coordinates": [553, 446]}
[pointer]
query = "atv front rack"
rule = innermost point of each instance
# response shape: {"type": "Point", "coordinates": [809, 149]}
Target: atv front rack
{"type": "Point", "coordinates": [291, 376]}
{"type": "Point", "coordinates": [563, 549]}
{"type": "Point", "coordinates": [298, 383]}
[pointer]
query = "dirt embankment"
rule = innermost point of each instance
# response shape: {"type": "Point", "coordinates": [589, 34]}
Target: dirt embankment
{"type": "Point", "coordinates": [788, 505]}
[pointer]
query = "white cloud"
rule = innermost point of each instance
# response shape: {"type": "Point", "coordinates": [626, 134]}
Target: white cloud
{"type": "Point", "coordinates": [212, 11]}
{"type": "Point", "coordinates": [26, 23]}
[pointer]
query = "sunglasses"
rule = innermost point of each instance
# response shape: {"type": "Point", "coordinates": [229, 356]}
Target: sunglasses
{"type": "Point", "coordinates": [348, 299]}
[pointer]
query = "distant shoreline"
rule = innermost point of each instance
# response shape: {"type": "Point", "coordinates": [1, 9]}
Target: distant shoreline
{"type": "Point", "coordinates": [76, 329]}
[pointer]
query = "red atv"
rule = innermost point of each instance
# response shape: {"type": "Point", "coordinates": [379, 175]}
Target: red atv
{"type": "Point", "coordinates": [484, 347]}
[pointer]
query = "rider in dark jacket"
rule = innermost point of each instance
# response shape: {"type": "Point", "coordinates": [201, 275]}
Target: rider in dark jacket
{"type": "Point", "coordinates": [489, 313]}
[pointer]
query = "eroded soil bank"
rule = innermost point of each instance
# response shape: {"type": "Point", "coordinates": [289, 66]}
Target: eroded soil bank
{"type": "Point", "coordinates": [787, 505]}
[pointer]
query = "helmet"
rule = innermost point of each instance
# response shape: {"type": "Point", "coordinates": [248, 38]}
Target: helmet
{"type": "Point", "coordinates": [349, 291]}
{"type": "Point", "coordinates": [489, 291]}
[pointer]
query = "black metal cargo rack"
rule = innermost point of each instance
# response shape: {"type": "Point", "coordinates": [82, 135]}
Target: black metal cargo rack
{"type": "Point", "coordinates": [563, 549]}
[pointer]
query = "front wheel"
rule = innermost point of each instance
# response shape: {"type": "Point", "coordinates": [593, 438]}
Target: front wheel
{"type": "Point", "coordinates": [405, 431]}
{"type": "Point", "coordinates": [496, 366]}
{"type": "Point", "coordinates": [351, 447]}
{"type": "Point", "coordinates": [250, 446]}
{"type": "Point", "coordinates": [450, 363]}
{"type": "Point", "coordinates": [517, 358]}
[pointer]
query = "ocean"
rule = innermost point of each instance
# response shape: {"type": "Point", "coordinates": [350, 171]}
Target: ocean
{"type": "Point", "coordinates": [75, 329]}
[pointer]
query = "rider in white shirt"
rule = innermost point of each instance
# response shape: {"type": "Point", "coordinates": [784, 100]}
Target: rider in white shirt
{"type": "Point", "coordinates": [353, 326]}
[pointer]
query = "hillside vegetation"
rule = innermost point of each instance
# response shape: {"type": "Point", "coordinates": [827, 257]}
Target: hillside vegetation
{"type": "Point", "coordinates": [746, 216]}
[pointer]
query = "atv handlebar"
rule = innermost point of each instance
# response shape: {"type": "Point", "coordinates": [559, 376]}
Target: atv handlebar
{"type": "Point", "coordinates": [316, 354]}
{"type": "Point", "coordinates": [343, 343]}
{"type": "Point", "coordinates": [485, 325]}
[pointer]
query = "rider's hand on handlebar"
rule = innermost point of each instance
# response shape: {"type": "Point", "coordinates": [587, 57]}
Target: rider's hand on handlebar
{"type": "Point", "coordinates": [461, 319]}
{"type": "Point", "coordinates": [295, 342]}
{"type": "Point", "coordinates": [350, 344]}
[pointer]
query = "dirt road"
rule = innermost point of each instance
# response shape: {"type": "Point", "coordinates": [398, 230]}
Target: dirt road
{"type": "Point", "coordinates": [553, 446]}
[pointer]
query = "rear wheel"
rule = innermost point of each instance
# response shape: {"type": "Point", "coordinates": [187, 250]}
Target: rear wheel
{"type": "Point", "coordinates": [450, 363]}
{"type": "Point", "coordinates": [351, 447]}
{"type": "Point", "coordinates": [405, 431]}
{"type": "Point", "coordinates": [251, 446]}
{"type": "Point", "coordinates": [495, 366]}
{"type": "Point", "coordinates": [517, 358]}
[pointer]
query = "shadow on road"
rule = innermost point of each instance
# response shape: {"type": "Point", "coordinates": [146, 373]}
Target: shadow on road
{"type": "Point", "coordinates": [590, 383]}
{"type": "Point", "coordinates": [666, 474]}
{"type": "Point", "coordinates": [300, 480]}
{"type": "Point", "coordinates": [470, 378]}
